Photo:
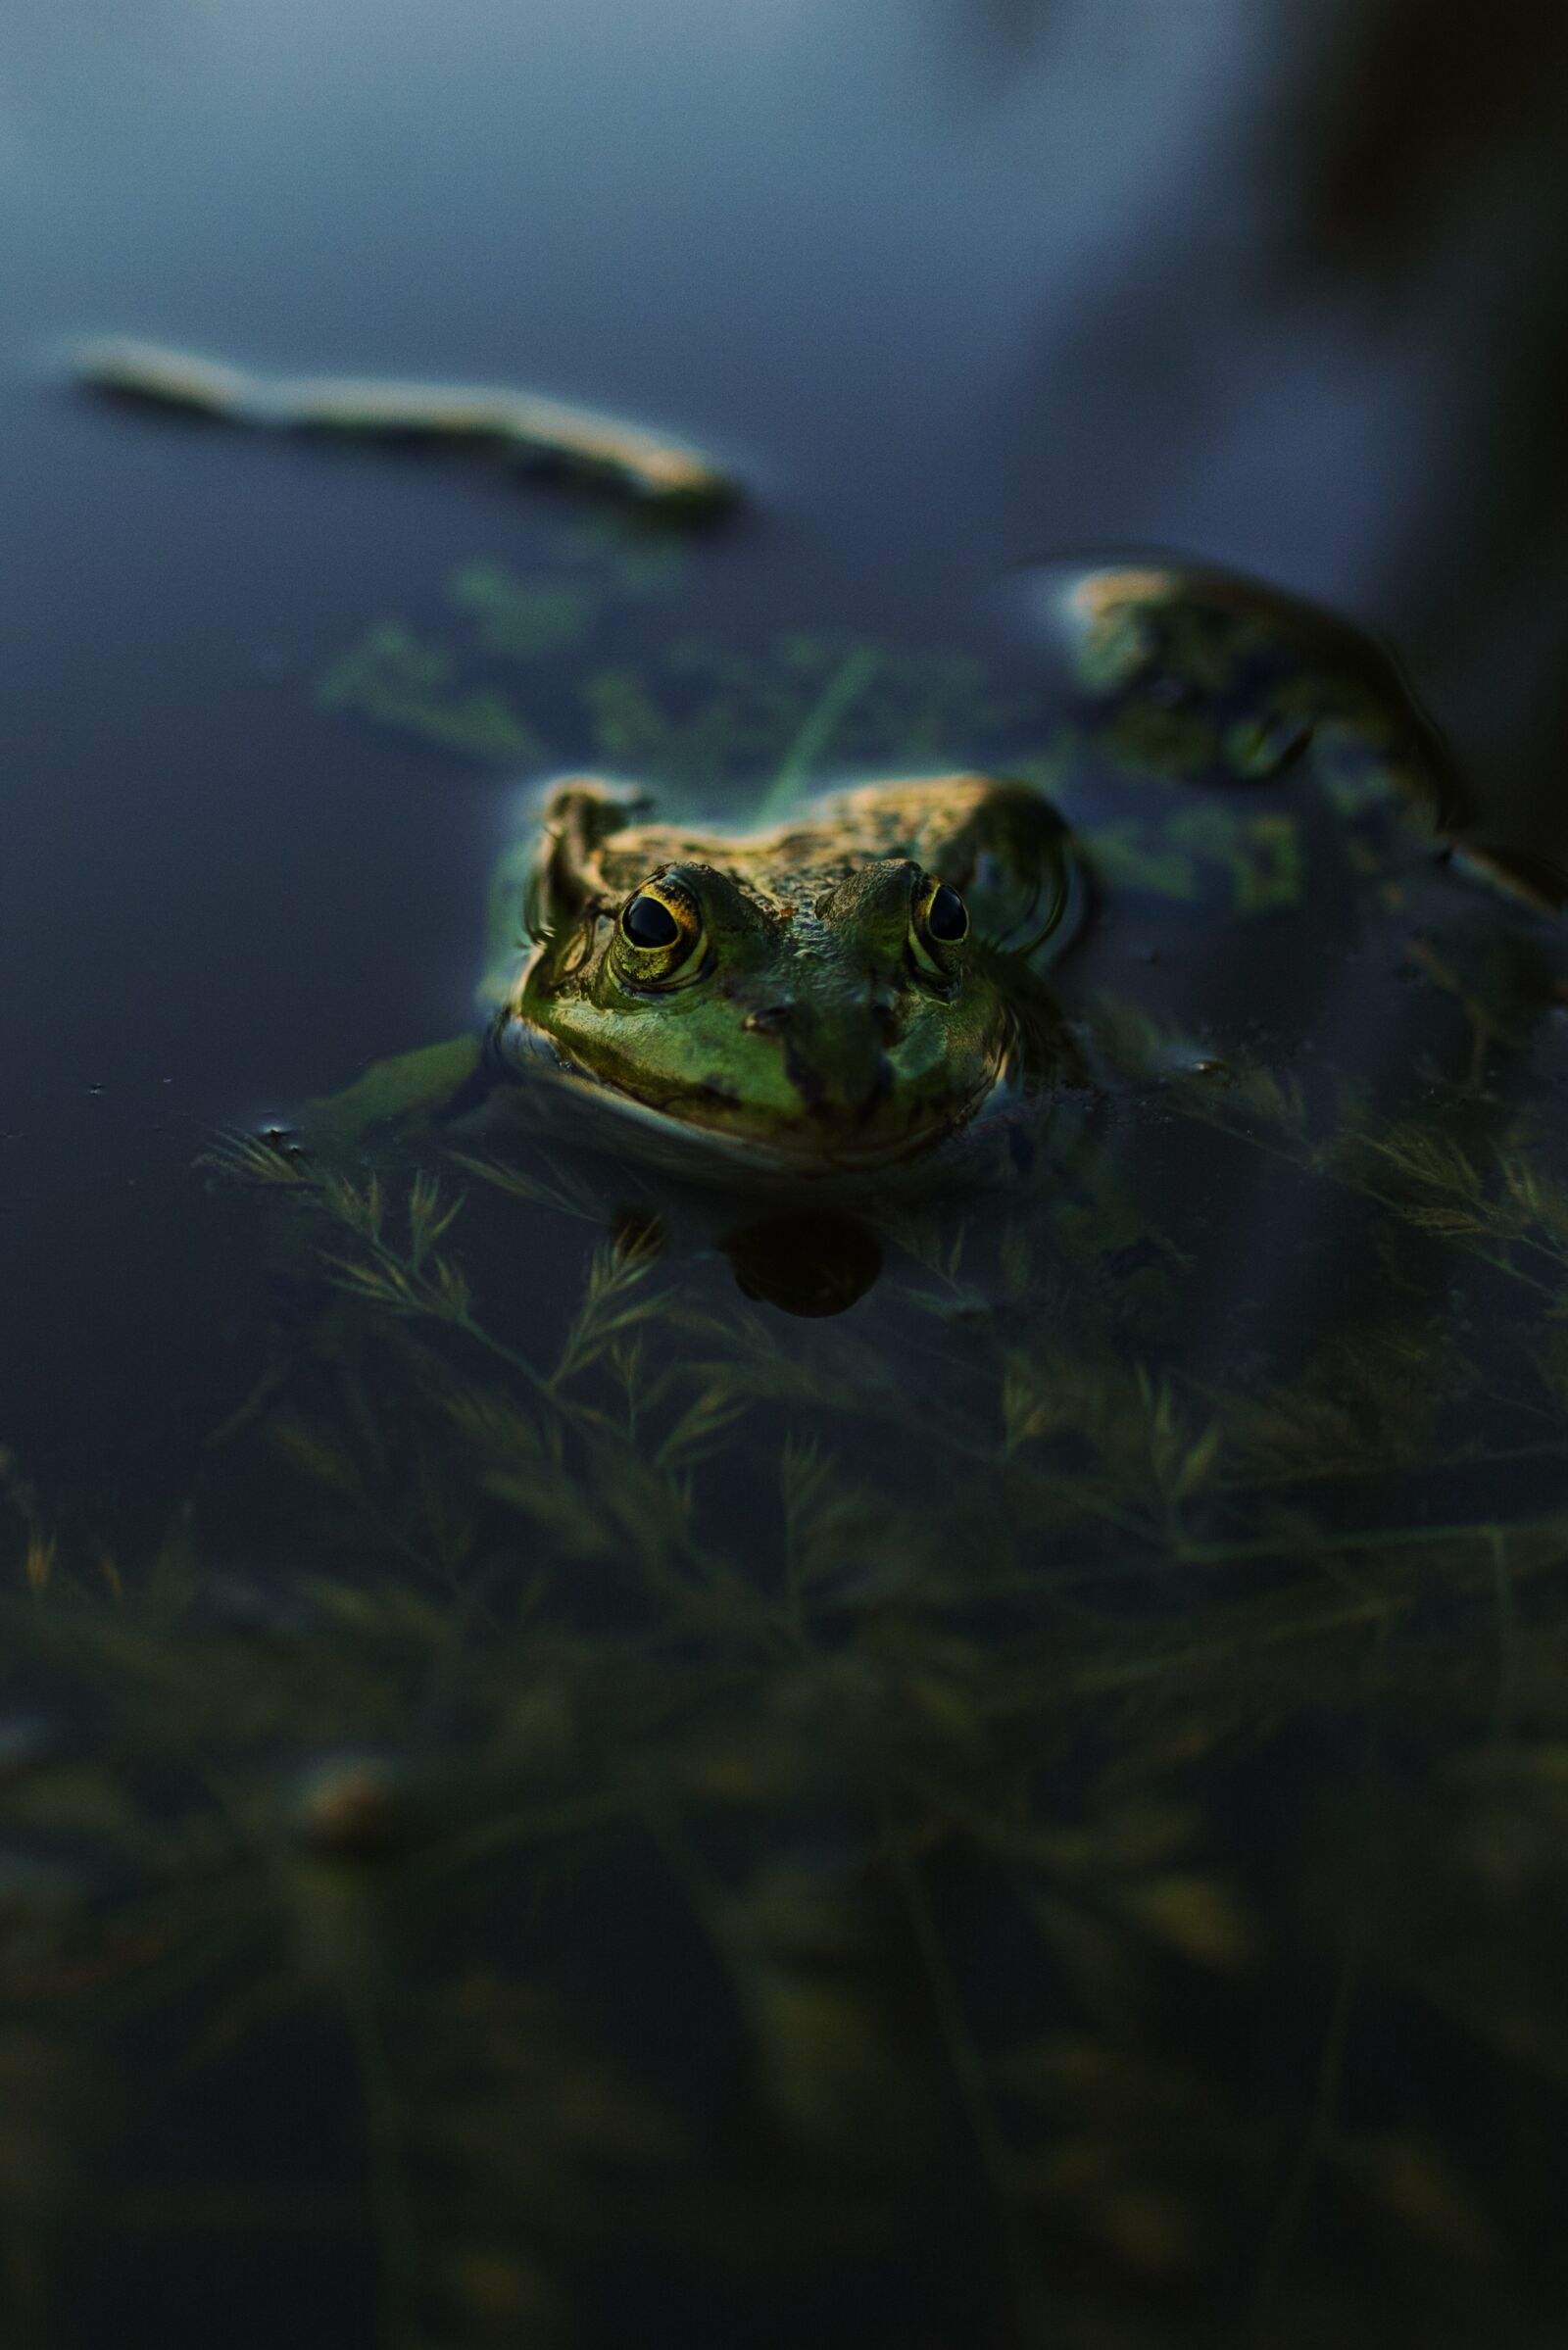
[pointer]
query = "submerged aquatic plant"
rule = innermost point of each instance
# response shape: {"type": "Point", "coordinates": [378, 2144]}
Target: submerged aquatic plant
{"type": "Point", "coordinates": [1030, 1810]}
{"type": "Point", "coordinates": [848, 1726]}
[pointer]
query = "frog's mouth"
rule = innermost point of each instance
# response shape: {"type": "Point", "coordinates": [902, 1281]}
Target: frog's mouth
{"type": "Point", "coordinates": [698, 1127]}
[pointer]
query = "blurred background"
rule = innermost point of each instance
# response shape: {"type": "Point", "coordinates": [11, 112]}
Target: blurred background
{"type": "Point", "coordinates": [953, 284]}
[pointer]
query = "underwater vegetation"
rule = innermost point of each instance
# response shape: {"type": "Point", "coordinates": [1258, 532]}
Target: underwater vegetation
{"type": "Point", "coordinates": [1028, 1809]}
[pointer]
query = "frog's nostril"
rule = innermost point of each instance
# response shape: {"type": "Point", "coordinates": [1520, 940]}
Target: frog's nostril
{"type": "Point", "coordinates": [768, 1019]}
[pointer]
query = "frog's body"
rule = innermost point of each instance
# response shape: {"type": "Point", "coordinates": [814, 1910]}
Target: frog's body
{"type": "Point", "coordinates": [1199, 674]}
{"type": "Point", "coordinates": [831, 994]}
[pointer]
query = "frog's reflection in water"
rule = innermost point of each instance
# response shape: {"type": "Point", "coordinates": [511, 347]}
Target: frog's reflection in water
{"type": "Point", "coordinates": [813, 1263]}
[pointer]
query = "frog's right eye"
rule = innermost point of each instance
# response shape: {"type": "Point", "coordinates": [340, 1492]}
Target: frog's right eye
{"type": "Point", "coordinates": [660, 934]}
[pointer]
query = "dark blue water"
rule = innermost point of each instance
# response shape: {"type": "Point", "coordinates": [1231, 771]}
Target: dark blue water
{"type": "Point", "coordinates": [950, 288]}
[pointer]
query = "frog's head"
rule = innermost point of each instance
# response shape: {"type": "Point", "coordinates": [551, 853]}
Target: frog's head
{"type": "Point", "coordinates": [819, 1020]}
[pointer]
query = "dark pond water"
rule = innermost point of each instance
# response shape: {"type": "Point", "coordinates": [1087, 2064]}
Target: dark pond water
{"type": "Point", "coordinates": [981, 1760]}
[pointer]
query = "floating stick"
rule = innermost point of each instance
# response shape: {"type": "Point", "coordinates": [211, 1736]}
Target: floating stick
{"type": "Point", "coordinates": [463, 415]}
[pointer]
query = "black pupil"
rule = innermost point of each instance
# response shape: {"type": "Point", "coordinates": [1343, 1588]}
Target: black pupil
{"type": "Point", "coordinates": [945, 917]}
{"type": "Point", "coordinates": [650, 923]}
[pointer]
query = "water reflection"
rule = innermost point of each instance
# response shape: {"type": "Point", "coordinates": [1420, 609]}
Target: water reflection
{"type": "Point", "coordinates": [1406, 112]}
{"type": "Point", "coordinates": [1427, 172]}
{"type": "Point", "coordinates": [805, 1264]}
{"type": "Point", "coordinates": [997, 37]}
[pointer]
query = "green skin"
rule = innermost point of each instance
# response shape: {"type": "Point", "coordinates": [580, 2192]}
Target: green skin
{"type": "Point", "coordinates": [809, 1013]}
{"type": "Point", "coordinates": [808, 1021]}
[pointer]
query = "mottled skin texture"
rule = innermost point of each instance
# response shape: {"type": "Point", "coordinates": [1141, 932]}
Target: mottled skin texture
{"type": "Point", "coordinates": [814, 1013]}
{"type": "Point", "coordinates": [1203, 673]}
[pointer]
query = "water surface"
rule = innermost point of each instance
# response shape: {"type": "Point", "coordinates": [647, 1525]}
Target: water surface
{"type": "Point", "coordinates": [1091, 1875]}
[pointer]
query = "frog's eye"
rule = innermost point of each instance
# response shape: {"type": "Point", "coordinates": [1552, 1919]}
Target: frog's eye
{"type": "Point", "coordinates": [659, 934]}
{"type": "Point", "coordinates": [939, 921]}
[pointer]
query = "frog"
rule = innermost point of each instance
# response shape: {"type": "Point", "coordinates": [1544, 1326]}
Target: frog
{"type": "Point", "coordinates": [829, 995]}
{"type": "Point", "coordinates": [855, 993]}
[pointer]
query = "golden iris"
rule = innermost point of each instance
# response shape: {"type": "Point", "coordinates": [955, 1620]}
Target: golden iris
{"type": "Point", "coordinates": [659, 935]}
{"type": "Point", "coordinates": [939, 921]}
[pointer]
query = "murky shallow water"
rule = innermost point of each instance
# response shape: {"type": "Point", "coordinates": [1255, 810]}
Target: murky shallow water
{"type": "Point", "coordinates": [1025, 1808]}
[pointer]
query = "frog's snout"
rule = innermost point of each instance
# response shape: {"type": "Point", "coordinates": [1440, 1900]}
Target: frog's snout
{"type": "Point", "coordinates": [772, 1019]}
{"type": "Point", "coordinates": [835, 1058]}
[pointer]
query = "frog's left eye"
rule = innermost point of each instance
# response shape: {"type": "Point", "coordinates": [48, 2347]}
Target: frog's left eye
{"type": "Point", "coordinates": [939, 921]}
{"type": "Point", "coordinates": [660, 934]}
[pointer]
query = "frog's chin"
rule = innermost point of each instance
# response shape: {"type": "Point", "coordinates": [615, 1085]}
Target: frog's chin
{"type": "Point", "coordinates": [811, 1152]}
